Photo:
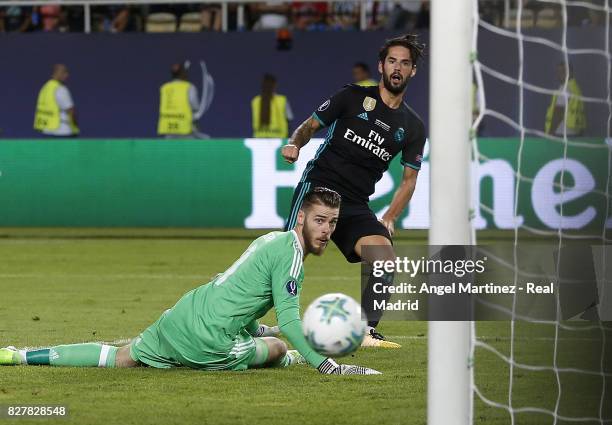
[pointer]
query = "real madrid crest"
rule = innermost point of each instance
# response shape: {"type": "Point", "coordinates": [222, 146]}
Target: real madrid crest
{"type": "Point", "coordinates": [369, 103]}
{"type": "Point", "coordinates": [399, 135]}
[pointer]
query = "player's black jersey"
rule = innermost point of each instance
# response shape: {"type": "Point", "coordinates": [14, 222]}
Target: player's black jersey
{"type": "Point", "coordinates": [364, 135]}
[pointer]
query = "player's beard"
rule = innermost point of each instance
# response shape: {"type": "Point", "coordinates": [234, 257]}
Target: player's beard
{"type": "Point", "coordinates": [394, 89]}
{"type": "Point", "coordinates": [309, 240]}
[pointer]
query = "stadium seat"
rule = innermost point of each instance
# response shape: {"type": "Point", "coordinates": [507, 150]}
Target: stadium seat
{"type": "Point", "coordinates": [161, 22]}
{"type": "Point", "coordinates": [548, 18]}
{"type": "Point", "coordinates": [191, 22]}
{"type": "Point", "coordinates": [527, 20]}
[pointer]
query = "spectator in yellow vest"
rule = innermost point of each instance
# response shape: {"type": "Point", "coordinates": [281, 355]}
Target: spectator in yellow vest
{"type": "Point", "coordinates": [178, 103]}
{"type": "Point", "coordinates": [555, 115]}
{"type": "Point", "coordinates": [270, 111]}
{"type": "Point", "coordinates": [55, 114]}
{"type": "Point", "coordinates": [361, 75]}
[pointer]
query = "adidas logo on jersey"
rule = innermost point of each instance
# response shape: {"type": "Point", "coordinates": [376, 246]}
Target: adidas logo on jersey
{"type": "Point", "coordinates": [363, 116]}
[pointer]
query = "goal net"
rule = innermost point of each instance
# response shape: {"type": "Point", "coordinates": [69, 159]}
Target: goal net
{"type": "Point", "coordinates": [547, 87]}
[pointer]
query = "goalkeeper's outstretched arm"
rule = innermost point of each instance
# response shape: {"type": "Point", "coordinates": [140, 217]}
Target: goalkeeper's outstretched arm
{"type": "Point", "coordinates": [293, 333]}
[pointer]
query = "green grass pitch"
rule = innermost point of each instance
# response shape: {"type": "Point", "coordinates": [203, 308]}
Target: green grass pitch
{"type": "Point", "coordinates": [104, 287]}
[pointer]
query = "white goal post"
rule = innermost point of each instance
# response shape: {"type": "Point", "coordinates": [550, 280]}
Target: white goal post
{"type": "Point", "coordinates": [449, 395]}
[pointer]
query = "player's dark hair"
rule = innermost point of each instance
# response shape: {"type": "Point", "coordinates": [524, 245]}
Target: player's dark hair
{"type": "Point", "coordinates": [409, 41]}
{"type": "Point", "coordinates": [363, 66]}
{"type": "Point", "coordinates": [267, 91]}
{"type": "Point", "coordinates": [322, 196]}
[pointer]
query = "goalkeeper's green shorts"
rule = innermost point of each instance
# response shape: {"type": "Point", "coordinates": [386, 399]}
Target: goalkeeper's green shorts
{"type": "Point", "coordinates": [154, 349]}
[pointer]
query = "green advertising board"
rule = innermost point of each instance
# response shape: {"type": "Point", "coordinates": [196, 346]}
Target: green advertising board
{"type": "Point", "coordinates": [245, 183]}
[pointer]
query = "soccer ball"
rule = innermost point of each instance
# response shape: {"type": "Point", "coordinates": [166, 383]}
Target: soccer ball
{"type": "Point", "coordinates": [333, 325]}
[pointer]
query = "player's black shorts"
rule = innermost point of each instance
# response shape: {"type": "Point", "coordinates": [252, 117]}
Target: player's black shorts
{"type": "Point", "coordinates": [356, 221]}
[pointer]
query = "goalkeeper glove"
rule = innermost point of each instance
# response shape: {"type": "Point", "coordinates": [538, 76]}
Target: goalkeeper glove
{"type": "Point", "coordinates": [264, 330]}
{"type": "Point", "coordinates": [330, 367]}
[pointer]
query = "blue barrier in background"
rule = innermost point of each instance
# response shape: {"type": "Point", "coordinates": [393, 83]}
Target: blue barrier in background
{"type": "Point", "coordinates": [115, 78]}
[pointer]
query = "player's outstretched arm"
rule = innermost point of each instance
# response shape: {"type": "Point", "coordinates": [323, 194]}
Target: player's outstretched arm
{"type": "Point", "coordinates": [285, 275]}
{"type": "Point", "coordinates": [401, 197]}
{"type": "Point", "coordinates": [293, 332]}
{"type": "Point", "coordinates": [299, 138]}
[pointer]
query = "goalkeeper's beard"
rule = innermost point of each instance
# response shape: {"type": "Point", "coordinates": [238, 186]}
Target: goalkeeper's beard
{"type": "Point", "coordinates": [308, 241]}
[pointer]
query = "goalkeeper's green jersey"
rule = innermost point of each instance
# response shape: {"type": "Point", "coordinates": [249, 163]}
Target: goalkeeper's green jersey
{"type": "Point", "coordinates": [269, 274]}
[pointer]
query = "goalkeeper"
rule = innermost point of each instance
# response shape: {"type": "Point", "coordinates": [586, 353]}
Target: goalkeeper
{"type": "Point", "coordinates": [214, 326]}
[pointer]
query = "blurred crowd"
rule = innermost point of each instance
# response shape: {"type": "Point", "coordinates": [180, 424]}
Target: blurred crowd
{"type": "Point", "coordinates": [271, 15]}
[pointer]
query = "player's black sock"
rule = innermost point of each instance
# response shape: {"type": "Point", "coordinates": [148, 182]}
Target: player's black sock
{"type": "Point", "coordinates": [369, 296]}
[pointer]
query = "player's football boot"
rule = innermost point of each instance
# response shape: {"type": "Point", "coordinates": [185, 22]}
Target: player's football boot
{"type": "Point", "coordinates": [375, 339]}
{"type": "Point", "coordinates": [9, 356]}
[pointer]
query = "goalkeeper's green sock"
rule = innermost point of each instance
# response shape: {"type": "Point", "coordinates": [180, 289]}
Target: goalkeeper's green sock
{"type": "Point", "coordinates": [77, 355]}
